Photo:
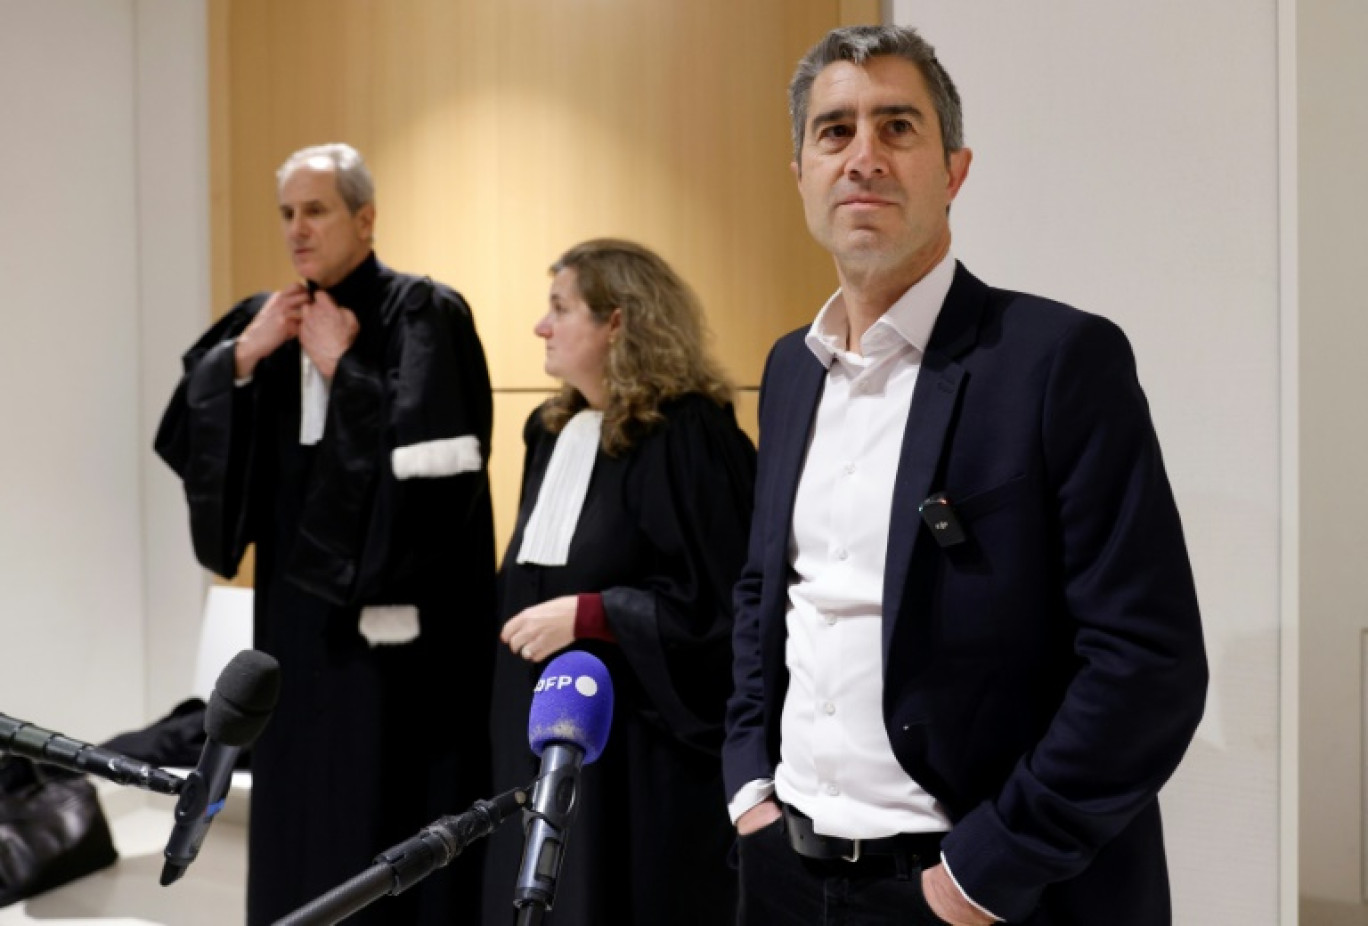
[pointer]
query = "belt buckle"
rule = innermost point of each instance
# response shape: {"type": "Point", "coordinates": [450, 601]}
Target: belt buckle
{"type": "Point", "coordinates": [856, 856]}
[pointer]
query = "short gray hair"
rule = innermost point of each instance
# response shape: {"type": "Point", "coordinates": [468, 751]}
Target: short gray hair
{"type": "Point", "coordinates": [857, 44]}
{"type": "Point", "coordinates": [354, 182]}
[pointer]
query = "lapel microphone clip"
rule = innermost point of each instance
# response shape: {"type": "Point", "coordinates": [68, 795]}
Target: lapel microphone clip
{"type": "Point", "coordinates": [941, 518]}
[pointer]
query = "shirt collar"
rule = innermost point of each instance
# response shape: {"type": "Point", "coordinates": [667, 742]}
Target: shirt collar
{"type": "Point", "coordinates": [908, 321]}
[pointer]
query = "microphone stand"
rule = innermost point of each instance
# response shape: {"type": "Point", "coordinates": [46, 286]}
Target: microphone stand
{"type": "Point", "coordinates": [531, 914]}
{"type": "Point", "coordinates": [400, 867]}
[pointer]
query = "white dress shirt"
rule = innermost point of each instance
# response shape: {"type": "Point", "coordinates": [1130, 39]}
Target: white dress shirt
{"type": "Point", "coordinates": [836, 761]}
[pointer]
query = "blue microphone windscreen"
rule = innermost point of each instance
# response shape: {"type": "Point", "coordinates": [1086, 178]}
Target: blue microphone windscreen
{"type": "Point", "coordinates": [572, 703]}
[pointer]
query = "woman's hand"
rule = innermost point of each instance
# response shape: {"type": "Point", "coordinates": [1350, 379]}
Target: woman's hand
{"type": "Point", "coordinates": [542, 630]}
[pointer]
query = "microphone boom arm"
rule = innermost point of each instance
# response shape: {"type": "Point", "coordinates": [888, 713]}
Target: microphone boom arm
{"type": "Point", "coordinates": [400, 867]}
{"type": "Point", "coordinates": [32, 742]}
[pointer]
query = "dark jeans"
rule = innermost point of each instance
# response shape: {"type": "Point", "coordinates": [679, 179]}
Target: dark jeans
{"type": "Point", "coordinates": [781, 888]}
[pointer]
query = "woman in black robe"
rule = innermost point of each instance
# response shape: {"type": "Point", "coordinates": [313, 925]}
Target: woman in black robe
{"type": "Point", "coordinates": [639, 574]}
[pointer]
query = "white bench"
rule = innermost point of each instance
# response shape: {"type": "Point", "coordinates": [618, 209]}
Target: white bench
{"type": "Point", "coordinates": [225, 631]}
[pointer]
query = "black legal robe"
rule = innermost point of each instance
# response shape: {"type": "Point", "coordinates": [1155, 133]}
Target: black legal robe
{"type": "Point", "coordinates": [368, 743]}
{"type": "Point", "coordinates": [662, 537]}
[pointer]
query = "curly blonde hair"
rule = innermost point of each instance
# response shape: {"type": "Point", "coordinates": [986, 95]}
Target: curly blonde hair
{"type": "Point", "coordinates": [660, 352]}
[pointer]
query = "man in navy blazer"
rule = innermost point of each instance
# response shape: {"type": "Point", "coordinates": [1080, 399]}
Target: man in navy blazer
{"type": "Point", "coordinates": [968, 649]}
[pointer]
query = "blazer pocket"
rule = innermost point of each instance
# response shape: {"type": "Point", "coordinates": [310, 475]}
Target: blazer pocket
{"type": "Point", "coordinates": [977, 504]}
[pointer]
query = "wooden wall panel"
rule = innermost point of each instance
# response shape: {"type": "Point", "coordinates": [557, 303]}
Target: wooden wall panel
{"type": "Point", "coordinates": [500, 132]}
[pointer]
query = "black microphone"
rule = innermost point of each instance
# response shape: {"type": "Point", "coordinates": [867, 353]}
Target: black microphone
{"type": "Point", "coordinates": [24, 739]}
{"type": "Point", "coordinates": [399, 868]}
{"type": "Point", "coordinates": [572, 711]}
{"type": "Point", "coordinates": [242, 701]}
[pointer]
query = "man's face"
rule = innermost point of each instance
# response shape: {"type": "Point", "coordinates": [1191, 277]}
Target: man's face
{"type": "Point", "coordinates": [325, 239]}
{"type": "Point", "coordinates": [873, 175]}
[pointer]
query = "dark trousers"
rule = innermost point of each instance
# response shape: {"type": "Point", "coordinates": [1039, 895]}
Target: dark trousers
{"type": "Point", "coordinates": [781, 888]}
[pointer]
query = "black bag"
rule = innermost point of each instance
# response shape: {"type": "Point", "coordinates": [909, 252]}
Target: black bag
{"type": "Point", "coordinates": [176, 739]}
{"type": "Point", "coordinates": [52, 829]}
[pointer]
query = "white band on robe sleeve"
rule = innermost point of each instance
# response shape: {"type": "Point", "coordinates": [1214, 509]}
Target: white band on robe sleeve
{"type": "Point", "coordinates": [386, 625]}
{"type": "Point", "coordinates": [435, 458]}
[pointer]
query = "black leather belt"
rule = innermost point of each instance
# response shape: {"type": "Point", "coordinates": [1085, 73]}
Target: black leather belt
{"type": "Point", "coordinates": [917, 848]}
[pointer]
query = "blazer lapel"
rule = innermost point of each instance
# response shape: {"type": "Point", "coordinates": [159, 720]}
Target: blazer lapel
{"type": "Point", "coordinates": [928, 422]}
{"type": "Point", "coordinates": [790, 425]}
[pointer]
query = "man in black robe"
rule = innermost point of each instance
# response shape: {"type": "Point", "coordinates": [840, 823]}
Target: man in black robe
{"type": "Point", "coordinates": [342, 425]}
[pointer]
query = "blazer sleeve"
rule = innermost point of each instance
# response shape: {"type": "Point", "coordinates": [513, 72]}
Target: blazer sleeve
{"type": "Point", "coordinates": [745, 757]}
{"type": "Point", "coordinates": [1138, 691]}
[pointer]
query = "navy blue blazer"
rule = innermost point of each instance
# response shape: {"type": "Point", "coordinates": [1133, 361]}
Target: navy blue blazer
{"type": "Point", "coordinates": [1042, 679]}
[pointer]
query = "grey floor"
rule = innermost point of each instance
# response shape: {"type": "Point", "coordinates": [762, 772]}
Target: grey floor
{"type": "Point", "coordinates": [211, 893]}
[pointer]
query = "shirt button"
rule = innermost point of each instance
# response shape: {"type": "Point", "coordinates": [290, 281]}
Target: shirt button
{"type": "Point", "coordinates": [833, 790]}
{"type": "Point", "coordinates": [830, 619]}
{"type": "Point", "coordinates": [828, 708]}
{"type": "Point", "coordinates": [841, 554]}
{"type": "Point", "coordinates": [849, 468]}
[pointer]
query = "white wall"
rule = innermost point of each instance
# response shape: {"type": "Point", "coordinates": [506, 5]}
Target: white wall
{"type": "Point", "coordinates": [102, 259]}
{"type": "Point", "coordinates": [1126, 162]}
{"type": "Point", "coordinates": [1333, 162]}
{"type": "Point", "coordinates": [173, 262]}
{"type": "Point", "coordinates": [70, 557]}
